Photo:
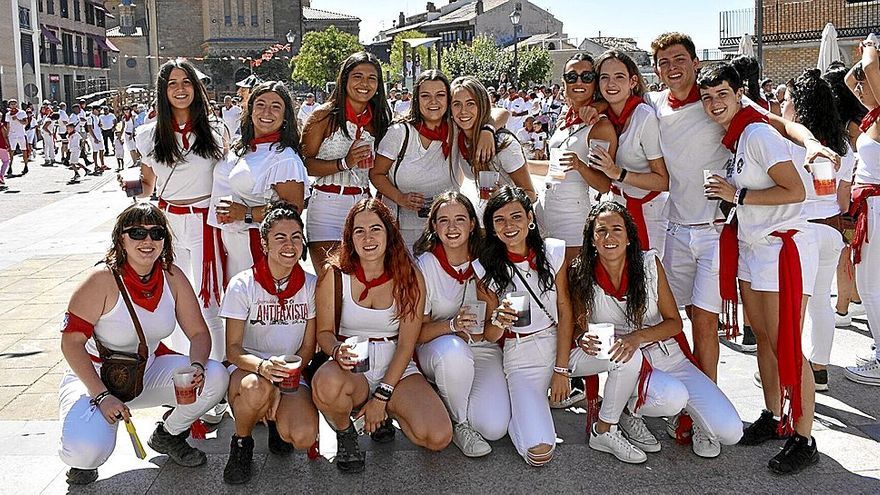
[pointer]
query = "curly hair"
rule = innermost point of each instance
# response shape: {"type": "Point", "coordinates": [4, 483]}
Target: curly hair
{"type": "Point", "coordinates": [848, 106]}
{"type": "Point", "coordinates": [667, 40]}
{"type": "Point", "coordinates": [749, 70]}
{"type": "Point", "coordinates": [397, 260]}
{"type": "Point", "coordinates": [135, 215]}
{"type": "Point", "coordinates": [499, 270]}
{"type": "Point", "coordinates": [581, 273]}
{"type": "Point", "coordinates": [429, 240]}
{"type": "Point", "coordinates": [816, 109]}
{"type": "Point", "coordinates": [289, 132]}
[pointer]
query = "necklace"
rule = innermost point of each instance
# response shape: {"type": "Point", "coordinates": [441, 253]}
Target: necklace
{"type": "Point", "coordinates": [280, 282]}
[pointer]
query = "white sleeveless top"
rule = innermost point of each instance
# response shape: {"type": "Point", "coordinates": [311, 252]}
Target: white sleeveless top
{"type": "Point", "coordinates": [335, 147]}
{"type": "Point", "coordinates": [357, 320]}
{"type": "Point", "coordinates": [116, 331]}
{"type": "Point", "coordinates": [444, 295]}
{"type": "Point", "coordinates": [577, 139]}
{"type": "Point", "coordinates": [868, 169]}
{"type": "Point", "coordinates": [192, 177]}
{"type": "Point", "coordinates": [607, 309]}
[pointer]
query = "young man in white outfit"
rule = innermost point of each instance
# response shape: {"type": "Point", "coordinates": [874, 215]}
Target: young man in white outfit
{"type": "Point", "coordinates": [16, 119]}
{"type": "Point", "coordinates": [231, 116]}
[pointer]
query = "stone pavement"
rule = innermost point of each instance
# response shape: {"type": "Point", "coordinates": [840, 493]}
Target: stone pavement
{"type": "Point", "coordinates": [48, 250]}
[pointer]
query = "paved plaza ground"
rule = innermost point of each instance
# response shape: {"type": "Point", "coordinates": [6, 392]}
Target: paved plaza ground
{"type": "Point", "coordinates": [49, 241]}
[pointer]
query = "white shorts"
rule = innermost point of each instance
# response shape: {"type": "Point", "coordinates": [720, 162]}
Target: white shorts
{"type": "Point", "coordinates": [97, 145]}
{"type": "Point", "coordinates": [759, 262]}
{"type": "Point", "coordinates": [302, 380]}
{"type": "Point", "coordinates": [691, 263]}
{"type": "Point", "coordinates": [381, 354]}
{"type": "Point", "coordinates": [17, 141]}
{"type": "Point", "coordinates": [562, 213]}
{"type": "Point", "coordinates": [326, 215]}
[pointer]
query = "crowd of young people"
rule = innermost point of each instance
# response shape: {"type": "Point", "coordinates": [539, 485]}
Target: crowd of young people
{"type": "Point", "coordinates": [463, 318]}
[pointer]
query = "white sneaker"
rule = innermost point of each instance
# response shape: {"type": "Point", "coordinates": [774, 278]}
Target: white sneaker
{"type": "Point", "coordinates": [615, 444]}
{"type": "Point", "coordinates": [856, 309]}
{"type": "Point", "coordinates": [637, 432]}
{"type": "Point", "coordinates": [866, 374]}
{"type": "Point", "coordinates": [704, 445]}
{"type": "Point", "coordinates": [842, 320]}
{"type": "Point", "coordinates": [469, 441]}
{"type": "Point", "coordinates": [672, 425]}
{"type": "Point", "coordinates": [865, 357]}
{"type": "Point", "coordinates": [573, 398]}
{"type": "Point", "coordinates": [215, 415]}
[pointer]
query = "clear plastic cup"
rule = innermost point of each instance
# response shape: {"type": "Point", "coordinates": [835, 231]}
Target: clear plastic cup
{"type": "Point", "coordinates": [488, 183]}
{"type": "Point", "coordinates": [290, 383]}
{"type": "Point", "coordinates": [360, 347]}
{"type": "Point", "coordinates": [370, 160]}
{"type": "Point", "coordinates": [184, 388]}
{"type": "Point", "coordinates": [520, 302]}
{"type": "Point", "coordinates": [598, 143]}
{"type": "Point", "coordinates": [556, 171]}
{"type": "Point", "coordinates": [605, 333]}
{"type": "Point", "coordinates": [707, 174]}
{"type": "Point", "coordinates": [823, 177]}
{"type": "Point", "coordinates": [131, 181]}
{"type": "Point", "coordinates": [478, 308]}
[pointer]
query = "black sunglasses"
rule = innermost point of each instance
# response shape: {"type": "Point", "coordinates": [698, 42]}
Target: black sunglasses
{"type": "Point", "coordinates": [586, 76]}
{"type": "Point", "coordinates": [140, 233]}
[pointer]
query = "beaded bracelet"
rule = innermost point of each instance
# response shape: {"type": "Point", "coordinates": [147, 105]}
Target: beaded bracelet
{"type": "Point", "coordinates": [452, 326]}
{"type": "Point", "coordinates": [562, 371]}
{"type": "Point", "coordinates": [96, 401]}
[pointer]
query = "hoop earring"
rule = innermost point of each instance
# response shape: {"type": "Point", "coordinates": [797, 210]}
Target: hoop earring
{"type": "Point", "coordinates": [532, 225]}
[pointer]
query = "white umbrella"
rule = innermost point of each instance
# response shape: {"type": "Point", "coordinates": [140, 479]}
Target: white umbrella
{"type": "Point", "coordinates": [829, 50]}
{"type": "Point", "coordinates": [746, 46]}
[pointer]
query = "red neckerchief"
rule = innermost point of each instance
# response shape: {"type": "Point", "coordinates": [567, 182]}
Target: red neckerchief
{"type": "Point", "coordinates": [440, 133]}
{"type": "Point", "coordinates": [788, 348]}
{"type": "Point", "coordinates": [692, 97]}
{"type": "Point", "coordinates": [461, 276]}
{"type": "Point", "coordinates": [462, 147]}
{"type": "Point", "coordinates": [126, 118]}
{"type": "Point", "coordinates": [369, 284]}
{"type": "Point", "coordinates": [619, 121]}
{"type": "Point", "coordinates": [745, 116]}
{"type": "Point", "coordinates": [518, 258]}
{"type": "Point", "coordinates": [360, 120]}
{"type": "Point", "coordinates": [264, 277]}
{"type": "Point", "coordinates": [604, 281]}
{"type": "Point", "coordinates": [869, 119]}
{"type": "Point", "coordinates": [763, 103]}
{"type": "Point", "coordinates": [273, 137]}
{"type": "Point", "coordinates": [572, 117]}
{"type": "Point", "coordinates": [184, 131]}
{"type": "Point", "coordinates": [144, 294]}
{"type": "Point", "coordinates": [859, 209]}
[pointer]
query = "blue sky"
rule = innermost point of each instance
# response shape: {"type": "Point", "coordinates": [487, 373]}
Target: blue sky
{"type": "Point", "coordinates": [639, 19]}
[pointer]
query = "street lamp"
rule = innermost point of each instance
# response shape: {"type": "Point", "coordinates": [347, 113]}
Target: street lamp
{"type": "Point", "coordinates": [514, 19]}
{"type": "Point", "coordinates": [290, 36]}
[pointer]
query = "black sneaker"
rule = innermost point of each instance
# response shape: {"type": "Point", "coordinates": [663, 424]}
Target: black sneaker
{"type": "Point", "coordinates": [763, 429]}
{"type": "Point", "coordinates": [799, 453]}
{"type": "Point", "coordinates": [749, 343]}
{"type": "Point", "coordinates": [278, 446]}
{"type": "Point", "coordinates": [241, 457]}
{"type": "Point", "coordinates": [821, 379]}
{"type": "Point", "coordinates": [349, 458]}
{"type": "Point", "coordinates": [176, 447]}
{"type": "Point", "coordinates": [385, 433]}
{"type": "Point", "coordinates": [76, 476]}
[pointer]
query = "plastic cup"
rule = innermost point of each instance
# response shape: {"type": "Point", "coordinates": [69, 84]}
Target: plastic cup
{"type": "Point", "coordinates": [823, 177]}
{"type": "Point", "coordinates": [425, 210]}
{"type": "Point", "coordinates": [184, 388]}
{"type": "Point", "coordinates": [598, 143]}
{"type": "Point", "coordinates": [131, 181]}
{"type": "Point", "coordinates": [360, 347]}
{"type": "Point", "coordinates": [488, 183]}
{"type": "Point", "coordinates": [605, 333]}
{"type": "Point", "coordinates": [709, 173]}
{"type": "Point", "coordinates": [556, 171]}
{"type": "Point", "coordinates": [293, 365]}
{"type": "Point", "coordinates": [478, 308]}
{"type": "Point", "coordinates": [369, 161]}
{"type": "Point", "coordinates": [520, 302]}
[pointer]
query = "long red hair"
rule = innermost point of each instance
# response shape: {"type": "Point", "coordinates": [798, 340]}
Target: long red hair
{"type": "Point", "coordinates": [397, 260]}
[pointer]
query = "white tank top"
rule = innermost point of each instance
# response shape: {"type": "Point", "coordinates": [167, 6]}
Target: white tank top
{"type": "Point", "coordinates": [335, 147]}
{"type": "Point", "coordinates": [607, 309]}
{"type": "Point", "coordinates": [357, 320]}
{"type": "Point", "coordinates": [577, 139]}
{"type": "Point", "coordinates": [444, 295]}
{"type": "Point", "coordinates": [868, 168]}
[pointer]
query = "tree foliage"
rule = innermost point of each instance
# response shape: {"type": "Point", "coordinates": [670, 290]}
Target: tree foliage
{"type": "Point", "coordinates": [321, 54]}
{"type": "Point", "coordinates": [394, 69]}
{"type": "Point", "coordinates": [487, 61]}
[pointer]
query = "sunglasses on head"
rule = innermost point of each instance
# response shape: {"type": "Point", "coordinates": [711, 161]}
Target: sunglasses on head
{"type": "Point", "coordinates": [140, 233]}
{"type": "Point", "coordinates": [586, 77]}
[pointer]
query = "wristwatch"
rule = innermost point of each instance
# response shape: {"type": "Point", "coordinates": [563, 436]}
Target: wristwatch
{"type": "Point", "coordinates": [249, 215]}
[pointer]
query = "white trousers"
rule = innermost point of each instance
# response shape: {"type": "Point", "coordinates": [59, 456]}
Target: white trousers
{"type": "Point", "coordinates": [674, 378]}
{"type": "Point", "coordinates": [528, 366]}
{"type": "Point", "coordinates": [691, 258]}
{"type": "Point", "coordinates": [87, 439]}
{"type": "Point", "coordinates": [48, 147]}
{"type": "Point", "coordinates": [187, 235]}
{"type": "Point", "coordinates": [470, 380]}
{"type": "Point", "coordinates": [818, 332]}
{"type": "Point", "coordinates": [621, 385]}
{"type": "Point", "coordinates": [868, 271]}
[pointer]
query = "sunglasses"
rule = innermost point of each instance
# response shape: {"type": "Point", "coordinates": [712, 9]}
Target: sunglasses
{"type": "Point", "coordinates": [586, 77]}
{"type": "Point", "coordinates": [140, 233]}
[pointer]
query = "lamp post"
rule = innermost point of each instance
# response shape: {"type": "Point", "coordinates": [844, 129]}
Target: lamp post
{"type": "Point", "coordinates": [514, 19]}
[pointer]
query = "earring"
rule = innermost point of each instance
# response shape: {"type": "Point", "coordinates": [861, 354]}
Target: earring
{"type": "Point", "coordinates": [532, 225]}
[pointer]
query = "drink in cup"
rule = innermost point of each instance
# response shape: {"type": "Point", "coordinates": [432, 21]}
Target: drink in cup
{"type": "Point", "coordinates": [823, 177]}
{"type": "Point", "coordinates": [598, 143]}
{"type": "Point", "coordinates": [131, 181]}
{"type": "Point", "coordinates": [425, 210]}
{"type": "Point", "coordinates": [478, 308]}
{"type": "Point", "coordinates": [556, 172]}
{"type": "Point", "coordinates": [369, 161]}
{"type": "Point", "coordinates": [521, 304]}
{"type": "Point", "coordinates": [293, 366]}
{"type": "Point", "coordinates": [360, 347]}
{"type": "Point", "coordinates": [707, 174]}
{"type": "Point", "coordinates": [184, 388]}
{"type": "Point", "coordinates": [488, 182]}
{"type": "Point", "coordinates": [605, 333]}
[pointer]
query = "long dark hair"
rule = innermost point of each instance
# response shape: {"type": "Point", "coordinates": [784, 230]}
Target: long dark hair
{"type": "Point", "coordinates": [749, 71]}
{"type": "Point", "coordinates": [581, 273]}
{"type": "Point", "coordinates": [141, 213]}
{"type": "Point", "coordinates": [289, 130]}
{"type": "Point", "coordinates": [379, 104]}
{"type": "Point", "coordinates": [429, 240]}
{"type": "Point", "coordinates": [816, 109]}
{"type": "Point", "coordinates": [499, 271]}
{"type": "Point", "coordinates": [165, 147]}
{"type": "Point", "coordinates": [848, 106]}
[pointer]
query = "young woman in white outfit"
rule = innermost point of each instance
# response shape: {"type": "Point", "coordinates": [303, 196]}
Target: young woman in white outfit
{"type": "Point", "coordinates": [639, 172]}
{"type": "Point", "coordinates": [453, 353]}
{"type": "Point", "coordinates": [614, 281]}
{"type": "Point", "coordinates": [162, 297]}
{"type": "Point", "coordinates": [562, 212]}
{"type": "Point", "coordinates": [776, 256]}
{"type": "Point", "coordinates": [810, 101]}
{"type": "Point", "coordinates": [536, 348]}
{"type": "Point", "coordinates": [382, 296]}
{"type": "Point", "coordinates": [264, 165]}
{"type": "Point", "coordinates": [270, 318]}
{"type": "Point", "coordinates": [179, 151]}
{"type": "Point", "coordinates": [339, 142]}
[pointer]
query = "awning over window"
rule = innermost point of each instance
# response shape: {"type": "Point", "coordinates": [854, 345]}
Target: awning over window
{"type": "Point", "coordinates": [105, 44]}
{"type": "Point", "coordinates": [49, 35]}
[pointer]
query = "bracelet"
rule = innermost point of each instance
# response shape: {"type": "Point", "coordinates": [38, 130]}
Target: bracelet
{"type": "Point", "coordinates": [344, 164]}
{"type": "Point", "coordinates": [386, 388]}
{"type": "Point", "coordinates": [623, 173]}
{"type": "Point", "coordinates": [96, 401]}
{"type": "Point", "coordinates": [380, 398]}
{"type": "Point", "coordinates": [199, 365]}
{"type": "Point", "coordinates": [488, 127]}
{"type": "Point", "coordinates": [260, 367]}
{"type": "Point", "coordinates": [859, 72]}
{"type": "Point", "coordinates": [562, 371]}
{"type": "Point", "coordinates": [452, 326]}
{"type": "Point", "coordinates": [335, 351]}
{"type": "Point", "coordinates": [740, 196]}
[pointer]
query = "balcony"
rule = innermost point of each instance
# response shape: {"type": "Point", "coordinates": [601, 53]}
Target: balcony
{"type": "Point", "coordinates": [786, 21]}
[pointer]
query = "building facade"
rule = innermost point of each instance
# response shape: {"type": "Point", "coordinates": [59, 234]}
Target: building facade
{"type": "Point", "coordinates": [19, 45]}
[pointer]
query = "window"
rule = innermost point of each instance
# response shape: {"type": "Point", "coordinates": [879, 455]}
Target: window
{"type": "Point", "coordinates": [240, 8]}
{"type": "Point", "coordinates": [64, 8]}
{"type": "Point", "coordinates": [24, 17]}
{"type": "Point", "coordinates": [67, 48]}
{"type": "Point", "coordinates": [50, 7]}
{"type": "Point", "coordinates": [227, 12]}
{"type": "Point", "coordinates": [90, 14]}
{"type": "Point", "coordinates": [76, 12]}
{"type": "Point", "coordinates": [79, 51]}
{"type": "Point", "coordinates": [253, 12]}
{"type": "Point", "coordinates": [90, 53]}
{"type": "Point", "coordinates": [40, 6]}
{"type": "Point", "coordinates": [100, 18]}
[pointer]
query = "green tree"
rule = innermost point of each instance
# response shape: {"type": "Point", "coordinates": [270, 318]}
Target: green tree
{"type": "Point", "coordinates": [321, 54]}
{"type": "Point", "coordinates": [487, 61]}
{"type": "Point", "coordinates": [394, 69]}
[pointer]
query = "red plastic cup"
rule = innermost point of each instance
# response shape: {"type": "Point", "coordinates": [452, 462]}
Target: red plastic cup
{"type": "Point", "coordinates": [293, 365]}
{"type": "Point", "coordinates": [184, 388]}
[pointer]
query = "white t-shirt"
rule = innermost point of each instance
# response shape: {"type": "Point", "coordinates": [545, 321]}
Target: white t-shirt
{"type": "Point", "coordinates": [304, 111]}
{"type": "Point", "coordinates": [402, 107]}
{"type": "Point", "coordinates": [83, 119]}
{"type": "Point", "coordinates": [522, 135]}
{"type": "Point", "coordinates": [269, 329]}
{"type": "Point", "coordinates": [75, 119]}
{"type": "Point", "coordinates": [868, 169]}
{"type": "Point", "coordinates": [232, 118]}
{"type": "Point", "coordinates": [444, 295]}
{"type": "Point", "coordinates": [74, 145]}
{"type": "Point", "coordinates": [515, 123]}
{"type": "Point", "coordinates": [16, 128]}
{"type": "Point", "coordinates": [539, 138]}
{"type": "Point", "coordinates": [62, 116]}
{"type": "Point", "coordinates": [760, 148]}
{"type": "Point", "coordinates": [824, 206]}
{"type": "Point", "coordinates": [506, 161]}
{"type": "Point", "coordinates": [95, 123]}
{"type": "Point", "coordinates": [638, 144]}
{"type": "Point", "coordinates": [108, 120]}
